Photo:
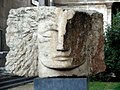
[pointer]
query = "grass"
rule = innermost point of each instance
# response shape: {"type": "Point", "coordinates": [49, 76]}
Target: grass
{"type": "Point", "coordinates": [104, 86]}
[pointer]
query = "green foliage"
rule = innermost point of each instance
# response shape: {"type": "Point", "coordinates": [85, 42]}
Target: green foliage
{"type": "Point", "coordinates": [112, 45]}
{"type": "Point", "coordinates": [103, 77]}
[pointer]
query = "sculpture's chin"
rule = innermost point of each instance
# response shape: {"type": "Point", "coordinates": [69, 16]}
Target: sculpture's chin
{"type": "Point", "coordinates": [63, 68]}
{"type": "Point", "coordinates": [60, 64]}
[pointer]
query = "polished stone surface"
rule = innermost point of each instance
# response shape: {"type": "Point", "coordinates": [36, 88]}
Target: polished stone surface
{"type": "Point", "coordinates": [61, 84]}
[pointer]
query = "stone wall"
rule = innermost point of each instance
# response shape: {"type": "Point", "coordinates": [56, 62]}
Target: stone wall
{"type": "Point", "coordinates": [60, 1]}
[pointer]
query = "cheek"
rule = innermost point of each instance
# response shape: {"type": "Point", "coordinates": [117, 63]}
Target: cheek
{"type": "Point", "coordinates": [46, 53]}
{"type": "Point", "coordinates": [44, 46]}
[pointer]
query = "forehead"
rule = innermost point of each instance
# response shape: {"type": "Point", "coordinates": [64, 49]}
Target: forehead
{"type": "Point", "coordinates": [54, 13]}
{"type": "Point", "coordinates": [54, 17]}
{"type": "Point", "coordinates": [46, 13]}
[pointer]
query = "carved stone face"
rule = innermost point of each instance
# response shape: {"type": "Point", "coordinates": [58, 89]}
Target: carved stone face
{"type": "Point", "coordinates": [50, 41]}
{"type": "Point", "coordinates": [59, 42]}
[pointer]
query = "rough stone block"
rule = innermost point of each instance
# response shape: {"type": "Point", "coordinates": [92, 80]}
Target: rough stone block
{"type": "Point", "coordinates": [50, 41]}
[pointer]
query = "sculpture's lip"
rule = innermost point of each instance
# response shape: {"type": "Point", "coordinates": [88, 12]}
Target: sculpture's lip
{"type": "Point", "coordinates": [63, 58]}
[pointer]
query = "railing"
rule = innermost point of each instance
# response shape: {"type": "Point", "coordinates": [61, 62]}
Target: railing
{"type": "Point", "coordinates": [3, 54]}
{"type": "Point", "coordinates": [14, 82]}
{"type": "Point", "coordinates": [9, 81]}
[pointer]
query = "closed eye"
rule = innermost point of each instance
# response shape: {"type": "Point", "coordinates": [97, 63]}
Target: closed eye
{"type": "Point", "coordinates": [47, 36]}
{"type": "Point", "coordinates": [48, 33]}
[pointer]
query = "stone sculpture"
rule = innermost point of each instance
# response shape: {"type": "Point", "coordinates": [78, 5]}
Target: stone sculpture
{"type": "Point", "coordinates": [50, 41]}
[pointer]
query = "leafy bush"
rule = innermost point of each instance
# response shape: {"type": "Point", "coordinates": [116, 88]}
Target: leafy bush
{"type": "Point", "coordinates": [112, 45]}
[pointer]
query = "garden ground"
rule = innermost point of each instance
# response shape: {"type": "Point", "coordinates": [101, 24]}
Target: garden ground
{"type": "Point", "coordinates": [104, 85]}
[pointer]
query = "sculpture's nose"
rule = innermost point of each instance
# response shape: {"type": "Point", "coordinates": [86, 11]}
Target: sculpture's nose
{"type": "Point", "coordinates": [62, 31]}
{"type": "Point", "coordinates": [60, 44]}
{"type": "Point", "coordinates": [61, 34]}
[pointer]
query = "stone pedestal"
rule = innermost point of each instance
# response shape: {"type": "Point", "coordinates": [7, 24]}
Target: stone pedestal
{"type": "Point", "coordinates": [61, 84]}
